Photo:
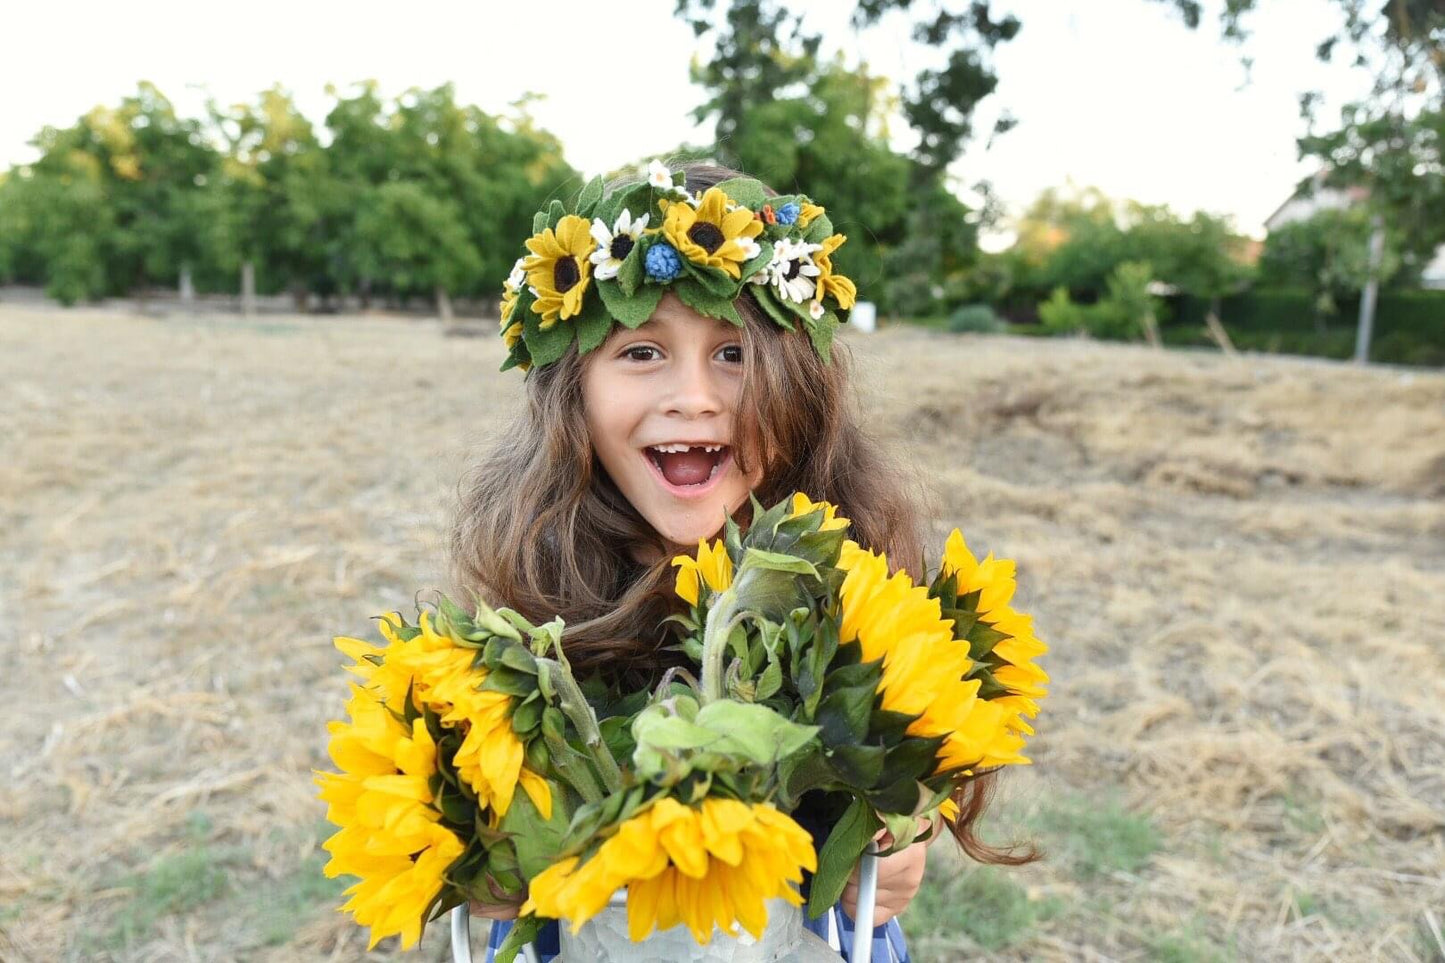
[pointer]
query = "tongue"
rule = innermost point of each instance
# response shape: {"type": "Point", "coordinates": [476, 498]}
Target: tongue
{"type": "Point", "coordinates": [691, 467]}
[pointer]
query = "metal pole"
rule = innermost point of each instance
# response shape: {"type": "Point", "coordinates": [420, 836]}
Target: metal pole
{"type": "Point", "coordinates": [1372, 288]}
{"type": "Point", "coordinates": [461, 934]}
{"type": "Point", "coordinates": [867, 901]}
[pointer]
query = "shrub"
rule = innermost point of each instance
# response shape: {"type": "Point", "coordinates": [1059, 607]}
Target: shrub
{"type": "Point", "coordinates": [976, 319]}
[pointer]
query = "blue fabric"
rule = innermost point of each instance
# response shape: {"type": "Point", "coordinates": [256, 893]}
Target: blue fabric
{"type": "Point", "coordinates": [888, 942]}
{"type": "Point", "coordinates": [663, 263]}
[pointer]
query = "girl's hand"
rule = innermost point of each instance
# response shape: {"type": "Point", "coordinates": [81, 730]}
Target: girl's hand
{"type": "Point", "coordinates": [501, 906]}
{"type": "Point", "coordinates": [899, 877]}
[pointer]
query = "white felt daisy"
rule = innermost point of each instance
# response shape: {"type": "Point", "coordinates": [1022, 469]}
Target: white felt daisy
{"type": "Point", "coordinates": [613, 246]}
{"type": "Point", "coordinates": [791, 271]}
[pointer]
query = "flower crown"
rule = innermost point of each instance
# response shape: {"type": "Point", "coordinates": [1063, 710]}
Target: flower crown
{"type": "Point", "coordinates": [600, 262]}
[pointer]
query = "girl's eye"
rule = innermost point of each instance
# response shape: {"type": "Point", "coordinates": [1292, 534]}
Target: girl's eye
{"type": "Point", "coordinates": [732, 354]}
{"type": "Point", "coordinates": [640, 352]}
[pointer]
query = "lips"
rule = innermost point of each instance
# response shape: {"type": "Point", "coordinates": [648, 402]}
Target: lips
{"type": "Point", "coordinates": [688, 470]}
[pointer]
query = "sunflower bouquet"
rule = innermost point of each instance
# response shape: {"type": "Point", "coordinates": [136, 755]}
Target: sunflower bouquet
{"type": "Point", "coordinates": [809, 669]}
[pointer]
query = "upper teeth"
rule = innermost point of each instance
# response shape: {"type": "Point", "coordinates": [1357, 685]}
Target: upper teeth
{"type": "Point", "coordinates": [679, 448]}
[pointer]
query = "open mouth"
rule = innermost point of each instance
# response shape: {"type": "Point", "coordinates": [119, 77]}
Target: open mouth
{"type": "Point", "coordinates": [688, 469]}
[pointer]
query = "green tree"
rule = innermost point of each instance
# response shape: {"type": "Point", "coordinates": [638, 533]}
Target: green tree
{"type": "Point", "coordinates": [1328, 254]}
{"type": "Point", "coordinates": [149, 166]}
{"type": "Point", "coordinates": [274, 197]}
{"type": "Point", "coordinates": [414, 242]}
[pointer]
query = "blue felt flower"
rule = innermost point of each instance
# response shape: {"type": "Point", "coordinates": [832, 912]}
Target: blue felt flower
{"type": "Point", "coordinates": [663, 262]}
{"type": "Point", "coordinates": [788, 213]}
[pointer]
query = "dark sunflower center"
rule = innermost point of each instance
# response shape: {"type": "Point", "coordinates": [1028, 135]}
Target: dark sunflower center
{"type": "Point", "coordinates": [620, 247]}
{"type": "Point", "coordinates": [565, 275]}
{"type": "Point", "coordinates": [706, 235]}
{"type": "Point", "coordinates": [793, 268]}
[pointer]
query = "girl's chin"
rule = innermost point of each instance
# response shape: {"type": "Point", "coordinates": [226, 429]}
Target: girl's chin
{"type": "Point", "coordinates": [685, 529]}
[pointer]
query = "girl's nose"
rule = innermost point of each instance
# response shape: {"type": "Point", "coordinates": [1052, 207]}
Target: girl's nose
{"type": "Point", "coordinates": [694, 391]}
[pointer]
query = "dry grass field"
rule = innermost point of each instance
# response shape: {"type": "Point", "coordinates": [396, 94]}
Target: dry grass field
{"type": "Point", "coordinates": [1239, 564]}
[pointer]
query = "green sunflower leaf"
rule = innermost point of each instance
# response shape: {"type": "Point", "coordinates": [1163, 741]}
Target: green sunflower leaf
{"type": "Point", "coordinates": [840, 854]}
{"type": "Point", "coordinates": [537, 839]}
{"type": "Point", "coordinates": [629, 311]}
{"type": "Point", "coordinates": [745, 191]}
{"type": "Point", "coordinates": [706, 303]}
{"type": "Point", "coordinates": [539, 222]}
{"type": "Point", "coordinates": [776, 562]}
{"type": "Point", "coordinates": [860, 766]}
{"type": "Point", "coordinates": [588, 198]}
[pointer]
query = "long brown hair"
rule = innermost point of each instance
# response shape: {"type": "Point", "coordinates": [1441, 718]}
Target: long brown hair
{"type": "Point", "coordinates": [540, 527]}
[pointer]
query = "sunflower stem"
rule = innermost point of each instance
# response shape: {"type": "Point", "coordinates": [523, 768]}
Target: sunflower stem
{"type": "Point", "coordinates": [721, 619]}
{"type": "Point", "coordinates": [574, 704]}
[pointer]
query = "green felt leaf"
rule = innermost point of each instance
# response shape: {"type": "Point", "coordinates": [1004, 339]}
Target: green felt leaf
{"type": "Point", "coordinates": [630, 273]}
{"type": "Point", "coordinates": [594, 324]}
{"type": "Point", "coordinates": [706, 303]}
{"type": "Point", "coordinates": [587, 200]}
{"type": "Point", "coordinates": [821, 332]}
{"type": "Point", "coordinates": [546, 346]}
{"type": "Point", "coordinates": [539, 222]}
{"type": "Point", "coordinates": [768, 301]}
{"type": "Point", "coordinates": [818, 229]}
{"type": "Point", "coordinates": [555, 212]}
{"type": "Point", "coordinates": [713, 279]}
{"type": "Point", "coordinates": [745, 191]}
{"type": "Point", "coordinates": [765, 255]}
{"type": "Point", "coordinates": [629, 311]}
{"type": "Point", "coordinates": [840, 854]}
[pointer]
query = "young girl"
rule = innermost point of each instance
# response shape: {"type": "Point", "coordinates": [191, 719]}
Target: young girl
{"type": "Point", "coordinates": [630, 453]}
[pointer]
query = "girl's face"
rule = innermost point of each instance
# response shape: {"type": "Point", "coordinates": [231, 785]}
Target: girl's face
{"type": "Point", "coordinates": [659, 402]}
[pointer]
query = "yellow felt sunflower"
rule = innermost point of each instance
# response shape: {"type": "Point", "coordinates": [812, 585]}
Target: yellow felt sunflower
{"type": "Point", "coordinates": [710, 234]}
{"type": "Point", "coordinates": [808, 212]}
{"type": "Point", "coordinates": [711, 865]}
{"type": "Point", "coordinates": [712, 568]}
{"type": "Point", "coordinates": [559, 268]}
{"type": "Point", "coordinates": [442, 676]}
{"type": "Point", "coordinates": [841, 288]}
{"type": "Point", "coordinates": [390, 837]}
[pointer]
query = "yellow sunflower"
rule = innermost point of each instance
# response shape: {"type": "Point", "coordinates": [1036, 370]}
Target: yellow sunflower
{"type": "Point", "coordinates": [808, 212]}
{"type": "Point", "coordinates": [441, 676]}
{"type": "Point", "coordinates": [841, 288]}
{"type": "Point", "coordinates": [710, 234]}
{"type": "Point", "coordinates": [712, 865]}
{"type": "Point", "coordinates": [923, 666]}
{"type": "Point", "coordinates": [712, 567]}
{"type": "Point", "coordinates": [832, 521]}
{"type": "Point", "coordinates": [390, 837]}
{"type": "Point", "coordinates": [994, 580]}
{"type": "Point", "coordinates": [559, 270]}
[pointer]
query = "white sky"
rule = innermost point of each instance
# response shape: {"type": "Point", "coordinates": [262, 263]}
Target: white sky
{"type": "Point", "coordinates": [1112, 93]}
